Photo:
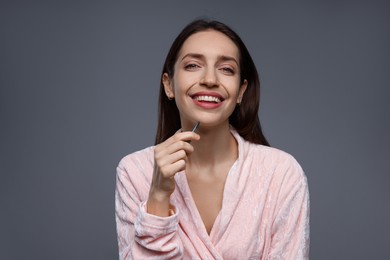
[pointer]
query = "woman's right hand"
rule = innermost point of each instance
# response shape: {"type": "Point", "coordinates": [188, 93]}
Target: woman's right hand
{"type": "Point", "coordinates": [170, 157]}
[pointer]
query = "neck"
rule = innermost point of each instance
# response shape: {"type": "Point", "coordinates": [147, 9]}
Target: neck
{"type": "Point", "coordinates": [216, 146]}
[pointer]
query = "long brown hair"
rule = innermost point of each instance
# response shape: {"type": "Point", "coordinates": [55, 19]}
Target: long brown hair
{"type": "Point", "coordinates": [244, 117]}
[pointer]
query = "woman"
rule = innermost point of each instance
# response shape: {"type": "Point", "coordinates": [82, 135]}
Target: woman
{"type": "Point", "coordinates": [219, 193]}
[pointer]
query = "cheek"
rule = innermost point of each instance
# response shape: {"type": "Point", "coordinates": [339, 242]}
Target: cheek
{"type": "Point", "coordinates": [235, 92]}
{"type": "Point", "coordinates": [180, 93]}
{"type": "Point", "coordinates": [177, 81]}
{"type": "Point", "coordinates": [178, 90]}
{"type": "Point", "coordinates": [181, 83]}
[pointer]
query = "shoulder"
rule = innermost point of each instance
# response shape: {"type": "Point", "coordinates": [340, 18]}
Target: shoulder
{"type": "Point", "coordinates": [137, 161]}
{"type": "Point", "coordinates": [280, 164]}
{"type": "Point", "coordinates": [269, 157]}
{"type": "Point", "coordinates": [273, 156]}
{"type": "Point", "coordinates": [134, 174]}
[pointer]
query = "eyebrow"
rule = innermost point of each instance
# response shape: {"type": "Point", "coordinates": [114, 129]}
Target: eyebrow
{"type": "Point", "coordinates": [202, 57]}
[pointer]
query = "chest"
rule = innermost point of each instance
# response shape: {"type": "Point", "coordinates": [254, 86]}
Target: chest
{"type": "Point", "coordinates": [207, 194]}
{"type": "Point", "coordinates": [239, 222]}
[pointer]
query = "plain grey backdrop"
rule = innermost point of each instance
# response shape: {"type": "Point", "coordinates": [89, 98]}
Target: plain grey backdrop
{"type": "Point", "coordinates": [78, 91]}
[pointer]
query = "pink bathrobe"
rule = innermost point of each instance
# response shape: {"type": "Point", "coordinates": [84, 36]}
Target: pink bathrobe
{"type": "Point", "coordinates": [264, 214]}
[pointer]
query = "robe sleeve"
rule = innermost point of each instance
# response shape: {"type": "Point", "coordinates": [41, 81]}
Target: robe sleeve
{"type": "Point", "coordinates": [290, 229]}
{"type": "Point", "coordinates": [142, 235]}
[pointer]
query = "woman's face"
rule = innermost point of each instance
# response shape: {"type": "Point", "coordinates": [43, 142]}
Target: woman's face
{"type": "Point", "coordinates": [206, 82]}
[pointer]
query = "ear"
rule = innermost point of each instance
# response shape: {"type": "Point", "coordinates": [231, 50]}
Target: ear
{"type": "Point", "coordinates": [242, 91]}
{"type": "Point", "coordinates": [168, 86]}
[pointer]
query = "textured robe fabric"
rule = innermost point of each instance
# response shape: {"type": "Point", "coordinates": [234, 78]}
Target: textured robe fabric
{"type": "Point", "coordinates": [264, 214]}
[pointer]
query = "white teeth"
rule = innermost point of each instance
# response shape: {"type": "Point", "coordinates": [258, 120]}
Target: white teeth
{"type": "Point", "coordinates": [207, 99]}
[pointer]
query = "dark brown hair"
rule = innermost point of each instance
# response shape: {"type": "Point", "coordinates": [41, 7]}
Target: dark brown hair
{"type": "Point", "coordinates": [244, 117]}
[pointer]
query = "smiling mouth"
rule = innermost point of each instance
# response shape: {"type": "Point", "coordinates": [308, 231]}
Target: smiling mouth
{"type": "Point", "coordinates": [211, 99]}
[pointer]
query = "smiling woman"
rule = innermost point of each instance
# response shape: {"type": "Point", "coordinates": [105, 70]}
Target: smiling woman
{"type": "Point", "coordinates": [220, 193]}
{"type": "Point", "coordinates": [206, 83]}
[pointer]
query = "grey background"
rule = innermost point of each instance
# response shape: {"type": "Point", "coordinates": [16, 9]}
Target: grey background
{"type": "Point", "coordinates": [78, 91]}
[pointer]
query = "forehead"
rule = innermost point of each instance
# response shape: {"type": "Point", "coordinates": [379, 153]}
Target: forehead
{"type": "Point", "coordinates": [210, 43]}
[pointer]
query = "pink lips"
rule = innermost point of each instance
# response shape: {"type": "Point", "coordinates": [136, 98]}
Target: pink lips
{"type": "Point", "coordinates": [206, 103]}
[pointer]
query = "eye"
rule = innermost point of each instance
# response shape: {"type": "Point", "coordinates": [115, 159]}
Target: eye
{"type": "Point", "coordinates": [227, 70]}
{"type": "Point", "coordinates": [191, 66]}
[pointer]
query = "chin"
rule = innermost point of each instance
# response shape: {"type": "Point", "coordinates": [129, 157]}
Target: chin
{"type": "Point", "coordinates": [206, 119]}
{"type": "Point", "coordinates": [212, 123]}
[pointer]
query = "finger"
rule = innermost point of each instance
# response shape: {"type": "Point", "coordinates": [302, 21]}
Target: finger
{"type": "Point", "coordinates": [164, 150]}
{"type": "Point", "coordinates": [172, 153]}
{"type": "Point", "coordinates": [171, 158]}
{"type": "Point", "coordinates": [169, 170]}
{"type": "Point", "coordinates": [180, 145]}
{"type": "Point", "coordinates": [183, 136]}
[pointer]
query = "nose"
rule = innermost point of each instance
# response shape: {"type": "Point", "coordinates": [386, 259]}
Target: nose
{"type": "Point", "coordinates": [209, 78]}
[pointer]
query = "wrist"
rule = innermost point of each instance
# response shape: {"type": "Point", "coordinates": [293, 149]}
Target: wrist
{"type": "Point", "coordinates": [158, 204]}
